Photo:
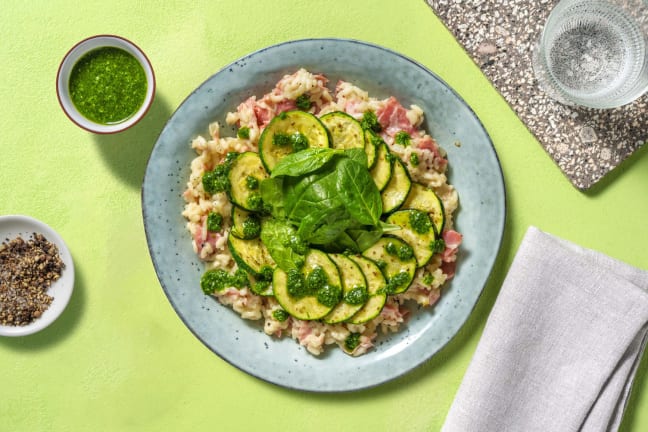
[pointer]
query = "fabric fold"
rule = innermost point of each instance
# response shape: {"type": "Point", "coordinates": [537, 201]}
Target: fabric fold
{"type": "Point", "coordinates": [561, 346]}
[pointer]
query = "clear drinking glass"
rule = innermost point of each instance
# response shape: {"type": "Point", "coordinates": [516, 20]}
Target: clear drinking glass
{"type": "Point", "coordinates": [594, 53]}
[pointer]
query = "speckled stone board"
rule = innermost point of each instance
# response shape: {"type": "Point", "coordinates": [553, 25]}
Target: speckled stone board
{"type": "Point", "coordinates": [499, 35]}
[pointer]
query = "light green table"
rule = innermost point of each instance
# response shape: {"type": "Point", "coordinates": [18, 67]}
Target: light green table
{"type": "Point", "coordinates": [119, 359]}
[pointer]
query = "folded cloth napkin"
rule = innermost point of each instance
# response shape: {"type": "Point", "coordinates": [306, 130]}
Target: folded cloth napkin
{"type": "Point", "coordinates": [561, 346]}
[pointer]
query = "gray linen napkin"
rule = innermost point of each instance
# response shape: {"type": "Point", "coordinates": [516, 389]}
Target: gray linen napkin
{"type": "Point", "coordinates": [561, 346]}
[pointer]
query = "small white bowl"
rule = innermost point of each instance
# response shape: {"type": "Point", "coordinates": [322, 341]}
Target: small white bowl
{"type": "Point", "coordinates": [61, 290]}
{"type": "Point", "coordinates": [63, 78]}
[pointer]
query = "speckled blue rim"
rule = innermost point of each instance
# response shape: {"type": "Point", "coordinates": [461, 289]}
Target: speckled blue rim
{"type": "Point", "coordinates": [474, 170]}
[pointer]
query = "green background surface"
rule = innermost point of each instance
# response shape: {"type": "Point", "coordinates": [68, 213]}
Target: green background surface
{"type": "Point", "coordinates": [119, 358]}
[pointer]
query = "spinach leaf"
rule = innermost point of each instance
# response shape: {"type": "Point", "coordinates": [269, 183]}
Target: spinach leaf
{"type": "Point", "coordinates": [286, 248]}
{"type": "Point", "coordinates": [321, 228]}
{"type": "Point", "coordinates": [359, 192]}
{"type": "Point", "coordinates": [310, 223]}
{"type": "Point", "coordinates": [342, 243]}
{"type": "Point", "coordinates": [357, 154]}
{"type": "Point", "coordinates": [311, 195]}
{"type": "Point", "coordinates": [329, 195]}
{"type": "Point", "coordinates": [364, 238]}
{"type": "Point", "coordinates": [304, 162]}
{"type": "Point", "coordinates": [271, 190]}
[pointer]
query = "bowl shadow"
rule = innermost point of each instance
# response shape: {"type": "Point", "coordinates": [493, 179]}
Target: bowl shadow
{"type": "Point", "coordinates": [127, 153]}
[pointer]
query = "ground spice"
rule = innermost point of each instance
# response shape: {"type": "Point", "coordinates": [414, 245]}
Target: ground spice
{"type": "Point", "coordinates": [27, 269]}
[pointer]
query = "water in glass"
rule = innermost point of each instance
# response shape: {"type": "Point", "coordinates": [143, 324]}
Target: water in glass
{"type": "Point", "coordinates": [594, 53]}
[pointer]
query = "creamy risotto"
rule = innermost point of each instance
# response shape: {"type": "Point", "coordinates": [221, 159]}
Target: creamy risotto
{"type": "Point", "coordinates": [209, 212]}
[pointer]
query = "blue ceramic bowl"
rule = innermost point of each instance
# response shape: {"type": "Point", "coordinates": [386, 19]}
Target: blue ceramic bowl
{"type": "Point", "coordinates": [474, 170]}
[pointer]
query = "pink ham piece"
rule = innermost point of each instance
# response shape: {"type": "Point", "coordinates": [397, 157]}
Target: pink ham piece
{"type": "Point", "coordinates": [429, 144]}
{"type": "Point", "coordinates": [434, 296]}
{"type": "Point", "coordinates": [448, 268]}
{"type": "Point", "coordinates": [265, 110]}
{"type": "Point", "coordinates": [285, 105]}
{"type": "Point", "coordinates": [393, 118]}
{"type": "Point", "coordinates": [366, 342]}
{"type": "Point", "coordinates": [233, 293]}
{"type": "Point", "coordinates": [263, 114]}
{"type": "Point", "coordinates": [249, 106]}
{"type": "Point", "coordinates": [393, 314]}
{"type": "Point", "coordinates": [353, 107]}
{"type": "Point", "coordinates": [303, 331]}
{"type": "Point", "coordinates": [202, 236]}
{"type": "Point", "coordinates": [452, 241]}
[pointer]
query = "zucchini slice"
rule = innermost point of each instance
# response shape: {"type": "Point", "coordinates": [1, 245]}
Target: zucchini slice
{"type": "Point", "coordinates": [353, 281]}
{"type": "Point", "coordinates": [376, 284]}
{"type": "Point", "coordinates": [417, 230]}
{"type": "Point", "coordinates": [250, 255]}
{"type": "Point", "coordinates": [424, 199]}
{"type": "Point", "coordinates": [278, 138]}
{"type": "Point", "coordinates": [346, 131]}
{"type": "Point", "coordinates": [382, 169]}
{"type": "Point", "coordinates": [245, 174]}
{"type": "Point", "coordinates": [370, 148]}
{"type": "Point", "coordinates": [398, 270]}
{"type": "Point", "coordinates": [308, 307]}
{"type": "Point", "coordinates": [245, 225]}
{"type": "Point", "coordinates": [397, 189]}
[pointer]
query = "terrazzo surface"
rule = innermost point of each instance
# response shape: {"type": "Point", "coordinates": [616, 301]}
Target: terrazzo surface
{"type": "Point", "coordinates": [499, 35]}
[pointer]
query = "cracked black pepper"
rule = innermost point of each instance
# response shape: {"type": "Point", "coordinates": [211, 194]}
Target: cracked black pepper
{"type": "Point", "coordinates": [27, 270]}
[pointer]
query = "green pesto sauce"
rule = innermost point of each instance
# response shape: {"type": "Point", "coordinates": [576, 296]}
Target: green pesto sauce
{"type": "Point", "coordinates": [357, 296]}
{"type": "Point", "coordinates": [437, 245]}
{"type": "Point", "coordinates": [107, 85]}
{"type": "Point", "coordinates": [420, 222]}
{"type": "Point", "coordinates": [352, 341]}
{"type": "Point", "coordinates": [251, 227]}
{"type": "Point", "coordinates": [218, 279]}
{"type": "Point", "coordinates": [280, 315]}
{"type": "Point", "coordinates": [255, 202]}
{"type": "Point", "coordinates": [296, 284]}
{"type": "Point", "coordinates": [243, 132]}
{"type": "Point", "coordinates": [215, 181]}
{"type": "Point", "coordinates": [370, 122]}
{"type": "Point", "coordinates": [252, 183]}
{"type": "Point", "coordinates": [303, 102]}
{"type": "Point", "coordinates": [265, 273]}
{"type": "Point", "coordinates": [404, 252]}
{"type": "Point", "coordinates": [214, 222]}
{"type": "Point", "coordinates": [297, 141]}
{"type": "Point", "coordinates": [259, 287]}
{"type": "Point", "coordinates": [329, 295]}
{"type": "Point", "coordinates": [403, 138]}
{"type": "Point", "coordinates": [396, 281]}
{"type": "Point", "coordinates": [316, 279]}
